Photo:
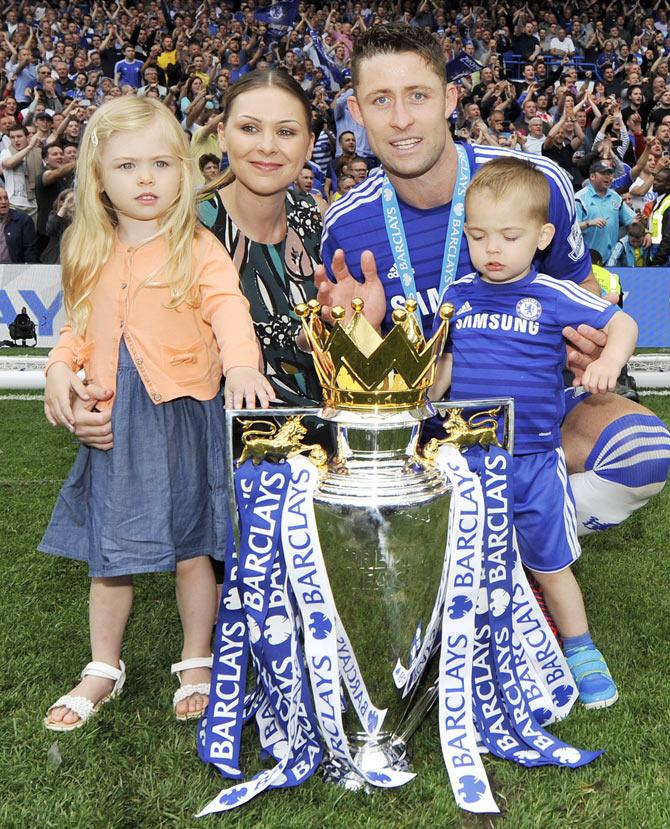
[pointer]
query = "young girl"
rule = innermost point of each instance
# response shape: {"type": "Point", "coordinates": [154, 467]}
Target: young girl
{"type": "Point", "coordinates": [155, 316]}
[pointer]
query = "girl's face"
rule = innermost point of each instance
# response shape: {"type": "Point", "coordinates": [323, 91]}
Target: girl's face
{"type": "Point", "coordinates": [196, 86]}
{"type": "Point", "coordinates": [141, 175]}
{"type": "Point", "coordinates": [266, 138]}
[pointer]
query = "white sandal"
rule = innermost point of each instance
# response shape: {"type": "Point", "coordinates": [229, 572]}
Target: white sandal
{"type": "Point", "coordinates": [185, 691]}
{"type": "Point", "coordinates": [83, 707]}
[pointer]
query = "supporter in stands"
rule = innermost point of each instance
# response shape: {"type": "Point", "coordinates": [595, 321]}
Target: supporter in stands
{"type": "Point", "coordinates": [21, 163]}
{"type": "Point", "coordinates": [659, 221]}
{"type": "Point", "coordinates": [57, 175]}
{"type": "Point", "coordinates": [208, 164]}
{"type": "Point", "coordinates": [18, 240]}
{"type": "Point", "coordinates": [601, 210]}
{"type": "Point", "coordinates": [630, 251]}
{"type": "Point", "coordinates": [57, 222]}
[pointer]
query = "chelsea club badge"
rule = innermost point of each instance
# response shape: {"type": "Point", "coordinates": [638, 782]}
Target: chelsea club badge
{"type": "Point", "coordinates": [529, 309]}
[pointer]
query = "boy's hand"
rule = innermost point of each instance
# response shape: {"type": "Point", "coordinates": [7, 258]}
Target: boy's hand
{"type": "Point", "coordinates": [246, 384]}
{"type": "Point", "coordinates": [601, 376]}
{"type": "Point", "coordinates": [61, 387]}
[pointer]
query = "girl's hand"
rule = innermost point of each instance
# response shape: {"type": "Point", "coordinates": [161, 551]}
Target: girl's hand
{"type": "Point", "coordinates": [247, 384]}
{"type": "Point", "coordinates": [61, 386]}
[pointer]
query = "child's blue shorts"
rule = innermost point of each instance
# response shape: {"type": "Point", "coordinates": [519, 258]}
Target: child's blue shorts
{"type": "Point", "coordinates": [544, 512]}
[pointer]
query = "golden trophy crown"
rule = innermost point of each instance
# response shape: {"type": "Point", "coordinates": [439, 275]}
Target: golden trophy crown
{"type": "Point", "coordinates": [360, 370]}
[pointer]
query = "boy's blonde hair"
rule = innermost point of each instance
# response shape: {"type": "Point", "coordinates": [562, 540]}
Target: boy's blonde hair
{"type": "Point", "coordinates": [87, 243]}
{"type": "Point", "coordinates": [513, 177]}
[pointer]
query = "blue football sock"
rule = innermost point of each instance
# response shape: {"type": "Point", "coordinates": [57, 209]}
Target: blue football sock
{"type": "Point", "coordinates": [573, 643]}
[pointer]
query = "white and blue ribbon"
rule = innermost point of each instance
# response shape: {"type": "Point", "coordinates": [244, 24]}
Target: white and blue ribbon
{"type": "Point", "coordinates": [501, 671]}
{"type": "Point", "coordinates": [395, 231]}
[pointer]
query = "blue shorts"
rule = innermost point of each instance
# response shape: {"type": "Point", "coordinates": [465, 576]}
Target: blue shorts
{"type": "Point", "coordinates": [544, 512]}
{"type": "Point", "coordinates": [573, 397]}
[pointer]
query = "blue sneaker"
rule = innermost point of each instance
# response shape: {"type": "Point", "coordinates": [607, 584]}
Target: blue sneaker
{"type": "Point", "coordinates": [594, 681]}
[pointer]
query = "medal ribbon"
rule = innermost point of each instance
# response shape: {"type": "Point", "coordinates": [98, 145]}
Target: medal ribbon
{"type": "Point", "coordinates": [395, 231]}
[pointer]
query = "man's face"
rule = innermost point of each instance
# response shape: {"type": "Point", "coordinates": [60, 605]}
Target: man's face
{"type": "Point", "coordinates": [69, 154]}
{"type": "Point", "coordinates": [663, 133]}
{"type": "Point", "coordinates": [601, 181]}
{"type": "Point", "coordinates": [305, 180]}
{"type": "Point", "coordinates": [358, 170]}
{"type": "Point", "coordinates": [54, 157]}
{"type": "Point", "coordinates": [404, 106]}
{"type": "Point", "coordinates": [18, 138]}
{"type": "Point", "coordinates": [210, 171]}
{"type": "Point", "coordinates": [73, 130]}
{"type": "Point", "coordinates": [535, 128]}
{"type": "Point", "coordinates": [529, 109]}
{"type": "Point", "coordinates": [4, 203]}
{"type": "Point", "coordinates": [348, 143]}
{"type": "Point", "coordinates": [662, 181]}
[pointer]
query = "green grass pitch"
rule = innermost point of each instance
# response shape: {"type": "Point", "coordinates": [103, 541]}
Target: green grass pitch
{"type": "Point", "coordinates": [134, 766]}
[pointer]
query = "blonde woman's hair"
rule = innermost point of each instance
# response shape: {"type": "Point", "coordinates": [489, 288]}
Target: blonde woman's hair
{"type": "Point", "coordinates": [510, 176]}
{"type": "Point", "coordinates": [87, 243]}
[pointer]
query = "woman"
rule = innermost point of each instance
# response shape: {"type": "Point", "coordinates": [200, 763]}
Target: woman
{"type": "Point", "coordinates": [272, 234]}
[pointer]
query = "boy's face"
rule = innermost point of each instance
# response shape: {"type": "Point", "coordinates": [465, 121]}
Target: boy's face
{"type": "Point", "coordinates": [502, 239]}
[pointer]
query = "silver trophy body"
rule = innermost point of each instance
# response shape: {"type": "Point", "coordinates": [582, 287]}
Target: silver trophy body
{"type": "Point", "coordinates": [383, 521]}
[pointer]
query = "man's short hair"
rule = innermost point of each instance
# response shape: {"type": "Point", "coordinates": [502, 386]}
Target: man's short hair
{"type": "Point", "coordinates": [514, 177]}
{"type": "Point", "coordinates": [207, 158]}
{"type": "Point", "coordinates": [17, 128]}
{"type": "Point", "coordinates": [386, 39]}
{"type": "Point", "coordinates": [47, 147]}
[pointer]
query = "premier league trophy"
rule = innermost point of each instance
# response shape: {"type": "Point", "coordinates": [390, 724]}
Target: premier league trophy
{"type": "Point", "coordinates": [360, 556]}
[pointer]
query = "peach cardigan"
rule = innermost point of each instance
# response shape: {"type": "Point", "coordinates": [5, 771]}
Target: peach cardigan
{"type": "Point", "coordinates": [178, 351]}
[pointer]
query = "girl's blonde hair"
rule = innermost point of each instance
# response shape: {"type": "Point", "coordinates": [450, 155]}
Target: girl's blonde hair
{"type": "Point", "coordinates": [87, 243]}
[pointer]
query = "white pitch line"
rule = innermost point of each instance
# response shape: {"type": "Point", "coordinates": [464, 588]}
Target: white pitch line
{"type": "Point", "coordinates": [21, 397]}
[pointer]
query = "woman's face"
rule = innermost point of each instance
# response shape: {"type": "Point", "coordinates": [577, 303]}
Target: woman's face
{"type": "Point", "coordinates": [266, 138]}
{"type": "Point", "coordinates": [196, 86]}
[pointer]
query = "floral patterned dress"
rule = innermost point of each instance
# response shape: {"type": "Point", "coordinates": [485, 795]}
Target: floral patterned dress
{"type": "Point", "coordinates": [275, 278]}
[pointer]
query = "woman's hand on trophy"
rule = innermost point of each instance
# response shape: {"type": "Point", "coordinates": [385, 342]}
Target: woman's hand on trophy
{"type": "Point", "coordinates": [345, 288]}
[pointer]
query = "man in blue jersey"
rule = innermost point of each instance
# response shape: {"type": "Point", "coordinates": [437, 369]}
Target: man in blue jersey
{"type": "Point", "coordinates": [506, 338]}
{"type": "Point", "coordinates": [399, 233]}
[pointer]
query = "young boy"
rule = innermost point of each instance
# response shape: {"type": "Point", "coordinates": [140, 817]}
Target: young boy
{"type": "Point", "coordinates": [505, 340]}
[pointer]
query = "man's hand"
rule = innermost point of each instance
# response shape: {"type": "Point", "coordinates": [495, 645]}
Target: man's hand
{"type": "Point", "coordinates": [93, 428]}
{"type": "Point", "coordinates": [346, 288]}
{"type": "Point", "coordinates": [584, 347]}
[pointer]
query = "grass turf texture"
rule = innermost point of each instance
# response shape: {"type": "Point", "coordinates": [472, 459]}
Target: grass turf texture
{"type": "Point", "coordinates": [134, 766]}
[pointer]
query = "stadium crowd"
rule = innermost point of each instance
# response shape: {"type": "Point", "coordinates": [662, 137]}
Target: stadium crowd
{"type": "Point", "coordinates": [585, 85]}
